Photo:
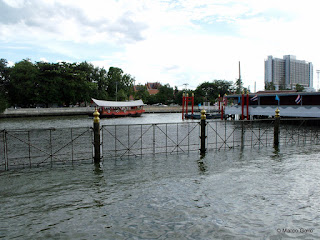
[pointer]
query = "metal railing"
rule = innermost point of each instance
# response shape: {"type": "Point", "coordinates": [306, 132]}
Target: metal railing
{"type": "Point", "coordinates": [38, 147]}
{"type": "Point", "coordinates": [224, 135]}
{"type": "Point", "coordinates": [142, 139]}
{"type": "Point", "coordinates": [300, 131]}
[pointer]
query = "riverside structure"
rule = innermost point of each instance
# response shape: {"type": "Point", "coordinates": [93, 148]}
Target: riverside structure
{"type": "Point", "coordinates": [263, 104]}
{"type": "Point", "coordinates": [100, 143]}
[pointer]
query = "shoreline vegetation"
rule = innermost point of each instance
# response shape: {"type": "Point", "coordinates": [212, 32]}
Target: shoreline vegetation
{"type": "Point", "coordinates": [42, 84]}
{"type": "Point", "coordinates": [73, 111]}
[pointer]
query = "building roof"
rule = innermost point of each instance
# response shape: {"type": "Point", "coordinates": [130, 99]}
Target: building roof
{"type": "Point", "coordinates": [153, 91]}
{"type": "Point", "coordinates": [152, 87]}
{"type": "Point", "coordinates": [102, 103]}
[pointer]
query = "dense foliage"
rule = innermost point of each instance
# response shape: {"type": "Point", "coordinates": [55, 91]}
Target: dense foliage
{"type": "Point", "coordinates": [210, 91]}
{"type": "Point", "coordinates": [43, 84]}
{"type": "Point", "coordinates": [269, 86]}
{"type": "Point", "coordinates": [28, 84]}
{"type": "Point", "coordinates": [4, 79]}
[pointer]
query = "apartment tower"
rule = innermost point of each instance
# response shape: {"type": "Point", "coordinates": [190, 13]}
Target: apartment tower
{"type": "Point", "coordinates": [287, 72]}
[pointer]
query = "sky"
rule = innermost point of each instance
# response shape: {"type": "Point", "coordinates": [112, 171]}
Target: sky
{"type": "Point", "coordinates": [182, 43]}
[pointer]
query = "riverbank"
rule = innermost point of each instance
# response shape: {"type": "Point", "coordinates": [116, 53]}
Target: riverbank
{"type": "Point", "coordinates": [74, 111]}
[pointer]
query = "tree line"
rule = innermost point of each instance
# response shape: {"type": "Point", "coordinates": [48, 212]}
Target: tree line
{"type": "Point", "coordinates": [27, 84]}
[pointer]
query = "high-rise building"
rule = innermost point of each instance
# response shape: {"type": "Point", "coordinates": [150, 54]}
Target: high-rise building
{"type": "Point", "coordinates": [286, 73]}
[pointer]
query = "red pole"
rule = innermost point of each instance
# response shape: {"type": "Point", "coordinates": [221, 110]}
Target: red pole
{"type": "Point", "coordinates": [192, 102]}
{"type": "Point", "coordinates": [219, 101]}
{"type": "Point", "coordinates": [187, 103]}
{"type": "Point", "coordinates": [222, 108]}
{"type": "Point", "coordinates": [247, 106]}
{"type": "Point", "coordinates": [183, 106]}
{"type": "Point", "coordinates": [222, 112]}
{"type": "Point", "coordinates": [242, 106]}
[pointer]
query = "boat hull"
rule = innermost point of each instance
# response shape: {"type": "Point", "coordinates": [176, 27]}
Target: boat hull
{"type": "Point", "coordinates": [116, 114]}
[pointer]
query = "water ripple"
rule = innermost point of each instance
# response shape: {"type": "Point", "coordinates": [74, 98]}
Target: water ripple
{"type": "Point", "coordinates": [226, 195]}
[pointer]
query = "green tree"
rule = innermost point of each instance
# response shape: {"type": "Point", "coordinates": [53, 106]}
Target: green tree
{"type": "Point", "coordinates": [100, 78]}
{"type": "Point", "coordinates": [62, 83]}
{"type": "Point", "coordinates": [165, 94]}
{"type": "Point", "coordinates": [4, 81]}
{"type": "Point", "coordinates": [116, 81]}
{"type": "Point", "coordinates": [75, 85]}
{"type": "Point", "coordinates": [49, 84]}
{"type": "Point", "coordinates": [23, 84]}
{"type": "Point", "coordinates": [178, 96]}
{"type": "Point", "coordinates": [239, 86]}
{"type": "Point", "coordinates": [152, 99]}
{"type": "Point", "coordinates": [4, 73]}
{"type": "Point", "coordinates": [142, 93]}
{"type": "Point", "coordinates": [209, 91]}
{"type": "Point", "coordinates": [96, 80]}
{"type": "Point", "coordinates": [299, 88]}
{"type": "Point", "coordinates": [269, 86]}
{"type": "Point", "coordinates": [114, 77]}
{"type": "Point", "coordinates": [122, 96]}
{"type": "Point", "coordinates": [127, 83]}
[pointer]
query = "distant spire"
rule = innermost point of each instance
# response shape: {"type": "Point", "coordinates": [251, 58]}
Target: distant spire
{"type": "Point", "coordinates": [185, 85]}
{"type": "Point", "coordinates": [239, 71]}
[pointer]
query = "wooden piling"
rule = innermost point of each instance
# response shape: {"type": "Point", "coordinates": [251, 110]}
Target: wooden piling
{"type": "Point", "coordinates": [248, 117]}
{"type": "Point", "coordinates": [183, 100]}
{"type": "Point", "coordinates": [203, 133]}
{"type": "Point", "coordinates": [96, 136]}
{"type": "Point", "coordinates": [276, 128]}
{"type": "Point", "coordinates": [242, 106]}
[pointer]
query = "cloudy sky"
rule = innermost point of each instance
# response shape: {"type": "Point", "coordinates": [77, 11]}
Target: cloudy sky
{"type": "Point", "coordinates": [170, 41]}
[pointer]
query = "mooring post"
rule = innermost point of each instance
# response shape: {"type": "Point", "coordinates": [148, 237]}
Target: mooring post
{"type": "Point", "coordinates": [276, 128]}
{"type": "Point", "coordinates": [242, 105]}
{"type": "Point", "coordinates": [96, 136]}
{"type": "Point", "coordinates": [242, 135]}
{"type": "Point", "coordinates": [203, 133]}
{"type": "Point", "coordinates": [248, 117]}
{"type": "Point", "coordinates": [183, 100]}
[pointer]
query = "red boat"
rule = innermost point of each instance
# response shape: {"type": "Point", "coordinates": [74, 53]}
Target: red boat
{"type": "Point", "coordinates": [119, 109]}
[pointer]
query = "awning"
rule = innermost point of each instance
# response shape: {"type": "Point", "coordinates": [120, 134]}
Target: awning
{"type": "Point", "coordinates": [113, 104]}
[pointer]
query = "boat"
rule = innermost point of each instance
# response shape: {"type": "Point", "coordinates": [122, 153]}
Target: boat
{"type": "Point", "coordinates": [110, 109]}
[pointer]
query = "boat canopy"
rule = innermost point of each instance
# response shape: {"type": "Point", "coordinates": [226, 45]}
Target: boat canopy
{"type": "Point", "coordinates": [102, 103]}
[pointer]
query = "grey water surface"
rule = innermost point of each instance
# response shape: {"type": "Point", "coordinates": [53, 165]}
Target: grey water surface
{"type": "Point", "coordinates": [233, 194]}
{"type": "Point", "coordinates": [85, 121]}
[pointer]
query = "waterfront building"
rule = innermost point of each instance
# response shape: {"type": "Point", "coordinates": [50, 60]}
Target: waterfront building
{"type": "Point", "coordinates": [287, 72]}
{"type": "Point", "coordinates": [263, 104]}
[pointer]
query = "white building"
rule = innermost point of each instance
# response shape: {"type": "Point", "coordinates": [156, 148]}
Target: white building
{"type": "Point", "coordinates": [286, 73]}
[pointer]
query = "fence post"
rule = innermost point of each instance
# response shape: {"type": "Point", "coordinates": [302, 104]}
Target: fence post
{"type": "Point", "coordinates": [5, 151]}
{"type": "Point", "coordinates": [276, 129]}
{"type": "Point", "coordinates": [96, 136]}
{"type": "Point", "coordinates": [242, 135]}
{"type": "Point", "coordinates": [203, 133]}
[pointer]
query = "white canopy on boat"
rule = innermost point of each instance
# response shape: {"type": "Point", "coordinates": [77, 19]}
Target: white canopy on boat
{"type": "Point", "coordinates": [102, 103]}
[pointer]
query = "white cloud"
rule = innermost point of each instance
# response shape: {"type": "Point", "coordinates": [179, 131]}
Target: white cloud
{"type": "Point", "coordinates": [43, 59]}
{"type": "Point", "coordinates": [15, 3]}
{"type": "Point", "coordinates": [175, 42]}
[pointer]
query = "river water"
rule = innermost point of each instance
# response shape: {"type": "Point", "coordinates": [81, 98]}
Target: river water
{"type": "Point", "coordinates": [84, 121]}
{"type": "Point", "coordinates": [234, 194]}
